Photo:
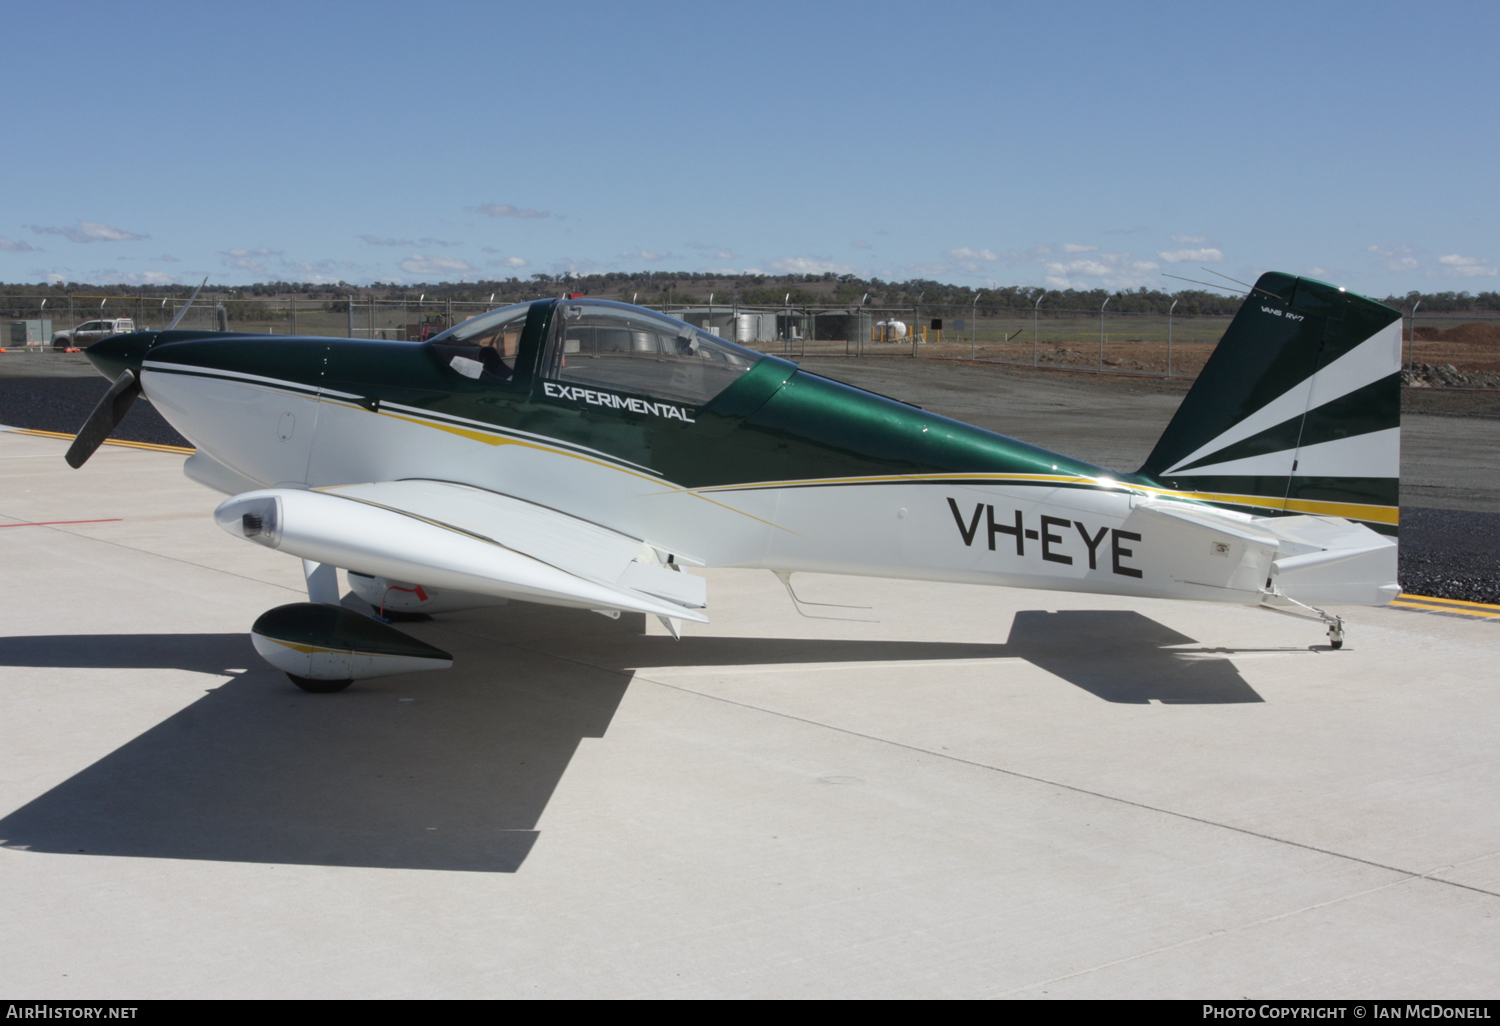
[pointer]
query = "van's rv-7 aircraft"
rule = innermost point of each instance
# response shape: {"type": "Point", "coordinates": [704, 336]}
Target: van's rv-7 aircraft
{"type": "Point", "coordinates": [581, 452]}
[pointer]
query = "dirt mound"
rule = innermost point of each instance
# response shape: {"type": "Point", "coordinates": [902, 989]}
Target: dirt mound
{"type": "Point", "coordinates": [1473, 334]}
{"type": "Point", "coordinates": [1446, 375]}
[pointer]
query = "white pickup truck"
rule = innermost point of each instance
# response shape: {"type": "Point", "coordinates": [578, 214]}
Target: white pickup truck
{"type": "Point", "coordinates": [89, 332]}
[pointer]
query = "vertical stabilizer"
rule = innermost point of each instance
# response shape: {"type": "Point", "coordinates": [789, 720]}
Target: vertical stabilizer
{"type": "Point", "coordinates": [1298, 410]}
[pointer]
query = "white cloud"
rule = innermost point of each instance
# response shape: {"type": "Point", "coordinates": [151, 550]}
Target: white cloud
{"type": "Point", "coordinates": [425, 263]}
{"type": "Point", "coordinates": [1113, 270]}
{"type": "Point", "coordinates": [89, 231]}
{"type": "Point", "coordinates": [1455, 266]}
{"type": "Point", "coordinates": [506, 210]}
{"type": "Point", "coordinates": [643, 254]}
{"type": "Point", "coordinates": [249, 259]}
{"type": "Point", "coordinates": [1107, 268]}
{"type": "Point", "coordinates": [719, 254]}
{"type": "Point", "coordinates": [965, 253]}
{"type": "Point", "coordinates": [804, 265]}
{"type": "Point", "coordinates": [1202, 256]}
{"type": "Point", "coordinates": [508, 261]}
{"type": "Point", "coordinates": [861, 245]}
{"type": "Point", "coordinates": [375, 240]}
{"type": "Point", "coordinates": [963, 259]}
{"type": "Point", "coordinates": [1190, 239]}
{"type": "Point", "coordinates": [13, 246]}
{"type": "Point", "coordinates": [1074, 247]}
{"type": "Point", "coordinates": [168, 258]}
{"type": "Point", "coordinates": [147, 278]}
{"type": "Point", "coordinates": [1402, 258]}
{"type": "Point", "coordinates": [573, 267]}
{"type": "Point", "coordinates": [322, 272]}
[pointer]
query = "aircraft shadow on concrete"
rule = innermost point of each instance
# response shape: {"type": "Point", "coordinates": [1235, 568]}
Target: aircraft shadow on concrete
{"type": "Point", "coordinates": [1117, 655]}
{"type": "Point", "coordinates": [456, 776]}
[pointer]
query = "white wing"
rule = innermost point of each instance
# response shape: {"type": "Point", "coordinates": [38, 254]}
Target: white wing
{"type": "Point", "coordinates": [456, 536]}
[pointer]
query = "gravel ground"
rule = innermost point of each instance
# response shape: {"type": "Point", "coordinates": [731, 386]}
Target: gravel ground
{"type": "Point", "coordinates": [1445, 553]}
{"type": "Point", "coordinates": [64, 403]}
{"type": "Point", "coordinates": [1449, 553]}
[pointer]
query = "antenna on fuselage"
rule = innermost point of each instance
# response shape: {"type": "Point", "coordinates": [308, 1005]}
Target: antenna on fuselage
{"type": "Point", "coordinates": [1195, 281]}
{"type": "Point", "coordinates": [1235, 280]}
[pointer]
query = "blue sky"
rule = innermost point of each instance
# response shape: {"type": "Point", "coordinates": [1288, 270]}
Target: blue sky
{"type": "Point", "coordinates": [1048, 144]}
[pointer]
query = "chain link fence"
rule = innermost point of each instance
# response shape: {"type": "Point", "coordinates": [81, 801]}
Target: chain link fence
{"type": "Point", "coordinates": [1108, 342]}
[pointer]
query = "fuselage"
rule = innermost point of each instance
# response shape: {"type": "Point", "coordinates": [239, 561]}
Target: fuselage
{"type": "Point", "coordinates": [782, 469]}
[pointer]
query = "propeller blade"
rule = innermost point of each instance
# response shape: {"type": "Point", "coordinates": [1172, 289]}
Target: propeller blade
{"type": "Point", "coordinates": [184, 310]}
{"type": "Point", "coordinates": [105, 418]}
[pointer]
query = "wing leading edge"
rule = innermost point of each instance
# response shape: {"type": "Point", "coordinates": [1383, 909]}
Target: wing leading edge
{"type": "Point", "coordinates": [455, 536]}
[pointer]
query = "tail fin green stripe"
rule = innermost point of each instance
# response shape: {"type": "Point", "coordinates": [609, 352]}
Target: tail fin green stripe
{"type": "Point", "coordinates": [1302, 395]}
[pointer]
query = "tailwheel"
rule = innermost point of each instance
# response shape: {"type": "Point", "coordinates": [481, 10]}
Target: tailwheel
{"type": "Point", "coordinates": [319, 687]}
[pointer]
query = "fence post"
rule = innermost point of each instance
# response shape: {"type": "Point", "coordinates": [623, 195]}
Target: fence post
{"type": "Point", "coordinates": [974, 323]}
{"type": "Point", "coordinates": [1034, 310]}
{"type": "Point", "coordinates": [1101, 331]}
{"type": "Point", "coordinates": [1411, 359]}
{"type": "Point", "coordinates": [1169, 336]}
{"type": "Point", "coordinates": [916, 323]}
{"type": "Point", "coordinates": [292, 304]}
{"type": "Point", "coordinates": [351, 316]}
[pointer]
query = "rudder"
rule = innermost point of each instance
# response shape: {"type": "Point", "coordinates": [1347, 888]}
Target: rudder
{"type": "Point", "coordinates": [1298, 409]}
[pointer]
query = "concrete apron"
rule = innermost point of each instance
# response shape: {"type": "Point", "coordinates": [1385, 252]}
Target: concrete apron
{"type": "Point", "coordinates": [986, 792]}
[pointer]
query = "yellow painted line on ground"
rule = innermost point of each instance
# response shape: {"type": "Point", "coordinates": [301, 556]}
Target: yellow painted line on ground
{"type": "Point", "coordinates": [152, 446]}
{"type": "Point", "coordinates": [1453, 607]}
{"type": "Point", "coordinates": [1449, 602]}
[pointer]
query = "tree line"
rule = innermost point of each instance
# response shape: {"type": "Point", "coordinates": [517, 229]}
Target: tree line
{"type": "Point", "coordinates": [657, 288]}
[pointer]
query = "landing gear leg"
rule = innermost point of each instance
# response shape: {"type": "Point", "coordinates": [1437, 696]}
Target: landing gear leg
{"type": "Point", "coordinates": [1335, 624]}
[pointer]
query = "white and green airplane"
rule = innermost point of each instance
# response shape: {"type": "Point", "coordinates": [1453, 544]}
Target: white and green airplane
{"type": "Point", "coordinates": [581, 453]}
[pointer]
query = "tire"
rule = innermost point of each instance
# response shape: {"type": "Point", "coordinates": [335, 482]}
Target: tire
{"type": "Point", "coordinates": [319, 687]}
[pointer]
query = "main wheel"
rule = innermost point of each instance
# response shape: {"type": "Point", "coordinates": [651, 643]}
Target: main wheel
{"type": "Point", "coordinates": [1336, 645]}
{"type": "Point", "coordinates": [319, 687]}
